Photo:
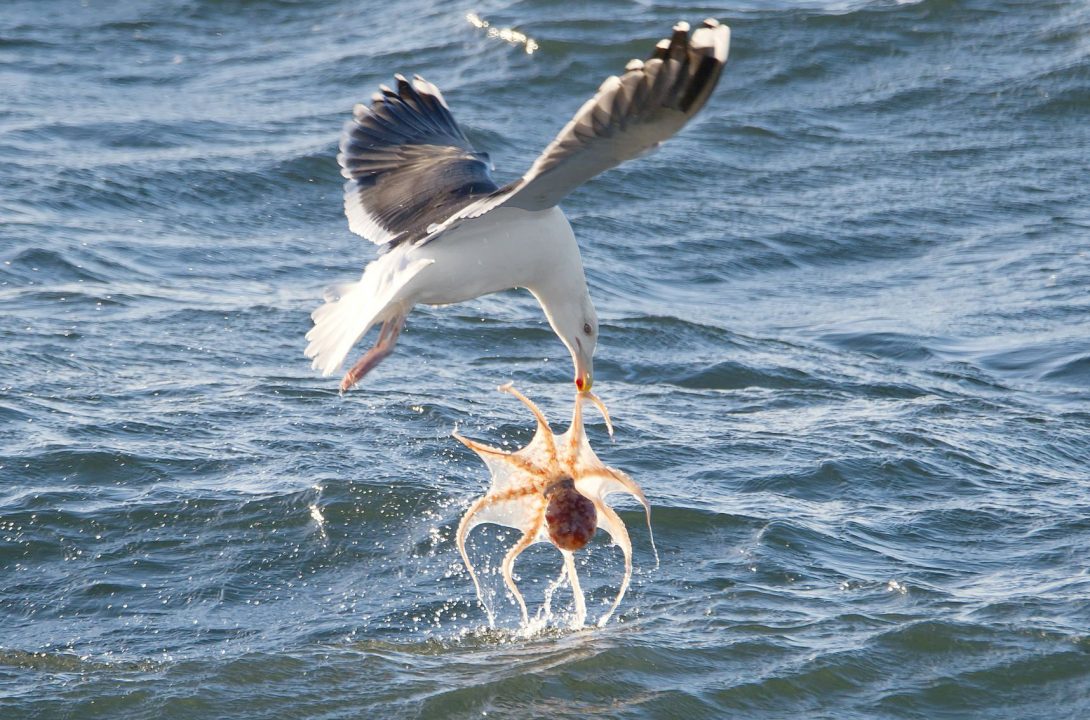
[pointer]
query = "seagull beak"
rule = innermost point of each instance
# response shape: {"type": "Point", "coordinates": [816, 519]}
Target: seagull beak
{"type": "Point", "coordinates": [584, 365]}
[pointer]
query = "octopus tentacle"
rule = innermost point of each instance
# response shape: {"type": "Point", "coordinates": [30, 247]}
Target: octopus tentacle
{"type": "Point", "coordinates": [460, 539]}
{"type": "Point", "coordinates": [513, 459]}
{"type": "Point", "coordinates": [580, 618]}
{"type": "Point", "coordinates": [508, 566]}
{"type": "Point", "coordinates": [487, 453]}
{"type": "Point", "coordinates": [543, 429]}
{"type": "Point", "coordinates": [480, 448]}
{"type": "Point", "coordinates": [615, 527]}
{"type": "Point", "coordinates": [614, 476]}
{"type": "Point", "coordinates": [509, 388]}
{"type": "Point", "coordinates": [637, 492]}
{"type": "Point", "coordinates": [468, 522]}
{"type": "Point", "coordinates": [601, 408]}
{"type": "Point", "coordinates": [576, 435]}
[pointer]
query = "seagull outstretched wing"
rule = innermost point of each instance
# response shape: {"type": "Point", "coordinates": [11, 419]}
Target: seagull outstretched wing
{"type": "Point", "coordinates": [408, 164]}
{"type": "Point", "coordinates": [629, 115]}
{"type": "Point", "coordinates": [413, 174]}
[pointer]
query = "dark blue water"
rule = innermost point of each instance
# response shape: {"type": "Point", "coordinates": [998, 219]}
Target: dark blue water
{"type": "Point", "coordinates": [845, 341]}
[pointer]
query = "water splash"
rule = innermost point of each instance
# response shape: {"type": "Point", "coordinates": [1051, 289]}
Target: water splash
{"type": "Point", "coordinates": [316, 514]}
{"type": "Point", "coordinates": [508, 35]}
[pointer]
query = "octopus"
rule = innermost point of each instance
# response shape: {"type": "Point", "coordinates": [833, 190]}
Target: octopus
{"type": "Point", "coordinates": [553, 490]}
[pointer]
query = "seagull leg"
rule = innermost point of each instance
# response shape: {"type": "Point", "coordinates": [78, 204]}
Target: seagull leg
{"type": "Point", "coordinates": [387, 338]}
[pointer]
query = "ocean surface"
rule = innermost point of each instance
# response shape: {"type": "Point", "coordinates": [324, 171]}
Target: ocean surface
{"type": "Point", "coordinates": [845, 340]}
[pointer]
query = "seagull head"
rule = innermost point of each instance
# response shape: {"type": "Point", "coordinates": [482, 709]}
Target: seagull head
{"type": "Point", "coordinates": [581, 337]}
{"type": "Point", "coordinates": [571, 314]}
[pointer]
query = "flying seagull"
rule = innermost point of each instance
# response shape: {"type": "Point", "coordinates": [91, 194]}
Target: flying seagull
{"type": "Point", "coordinates": [448, 233]}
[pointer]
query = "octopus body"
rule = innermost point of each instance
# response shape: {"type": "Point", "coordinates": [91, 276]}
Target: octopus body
{"type": "Point", "coordinates": [570, 517]}
{"type": "Point", "coordinates": [552, 490]}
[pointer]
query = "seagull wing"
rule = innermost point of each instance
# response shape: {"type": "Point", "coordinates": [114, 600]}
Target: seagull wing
{"type": "Point", "coordinates": [409, 166]}
{"type": "Point", "coordinates": [413, 174]}
{"type": "Point", "coordinates": [629, 115]}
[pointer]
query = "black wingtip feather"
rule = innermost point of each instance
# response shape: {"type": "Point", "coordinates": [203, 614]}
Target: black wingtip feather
{"type": "Point", "coordinates": [408, 164]}
{"type": "Point", "coordinates": [704, 72]}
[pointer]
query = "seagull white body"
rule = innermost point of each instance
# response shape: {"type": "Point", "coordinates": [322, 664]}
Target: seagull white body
{"type": "Point", "coordinates": [417, 187]}
{"type": "Point", "coordinates": [502, 249]}
{"type": "Point", "coordinates": [506, 248]}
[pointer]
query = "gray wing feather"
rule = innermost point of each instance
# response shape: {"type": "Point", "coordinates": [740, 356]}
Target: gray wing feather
{"type": "Point", "coordinates": [628, 116]}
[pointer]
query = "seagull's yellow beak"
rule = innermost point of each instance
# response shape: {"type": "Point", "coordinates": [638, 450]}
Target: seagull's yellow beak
{"type": "Point", "coordinates": [582, 356]}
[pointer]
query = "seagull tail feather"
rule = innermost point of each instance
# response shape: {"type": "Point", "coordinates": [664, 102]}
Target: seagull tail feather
{"type": "Point", "coordinates": [352, 309]}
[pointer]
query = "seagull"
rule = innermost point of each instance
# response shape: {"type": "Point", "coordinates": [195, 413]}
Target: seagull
{"type": "Point", "coordinates": [448, 233]}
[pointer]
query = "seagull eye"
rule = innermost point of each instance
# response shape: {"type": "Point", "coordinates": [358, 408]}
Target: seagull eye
{"type": "Point", "coordinates": [586, 328]}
